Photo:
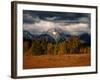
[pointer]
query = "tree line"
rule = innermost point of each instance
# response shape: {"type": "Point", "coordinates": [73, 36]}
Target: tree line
{"type": "Point", "coordinates": [43, 47]}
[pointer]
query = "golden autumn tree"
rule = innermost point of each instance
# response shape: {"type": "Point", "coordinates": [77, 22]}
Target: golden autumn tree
{"type": "Point", "coordinates": [62, 48]}
{"type": "Point", "coordinates": [72, 44]}
{"type": "Point", "coordinates": [50, 48]}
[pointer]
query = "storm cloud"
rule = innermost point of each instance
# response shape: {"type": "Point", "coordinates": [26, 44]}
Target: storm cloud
{"type": "Point", "coordinates": [37, 22]}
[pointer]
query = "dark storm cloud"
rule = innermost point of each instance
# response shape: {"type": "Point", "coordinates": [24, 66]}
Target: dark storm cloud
{"type": "Point", "coordinates": [39, 21]}
{"type": "Point", "coordinates": [58, 16]}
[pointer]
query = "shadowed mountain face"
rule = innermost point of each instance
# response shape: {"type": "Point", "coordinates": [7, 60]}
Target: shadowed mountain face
{"type": "Point", "coordinates": [86, 38]}
{"type": "Point", "coordinates": [46, 37]}
{"type": "Point", "coordinates": [55, 35]}
{"type": "Point", "coordinates": [27, 35]}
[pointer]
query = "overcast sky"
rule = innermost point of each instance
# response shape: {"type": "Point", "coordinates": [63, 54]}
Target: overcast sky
{"type": "Point", "coordinates": [37, 22]}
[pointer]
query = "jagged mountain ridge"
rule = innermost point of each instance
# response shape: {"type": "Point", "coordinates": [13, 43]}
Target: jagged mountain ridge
{"type": "Point", "coordinates": [45, 36]}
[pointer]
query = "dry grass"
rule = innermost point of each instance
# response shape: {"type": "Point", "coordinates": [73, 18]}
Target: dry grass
{"type": "Point", "coordinates": [51, 61]}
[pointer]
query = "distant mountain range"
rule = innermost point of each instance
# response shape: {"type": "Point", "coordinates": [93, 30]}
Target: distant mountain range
{"type": "Point", "coordinates": [45, 36]}
{"type": "Point", "coordinates": [27, 35]}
